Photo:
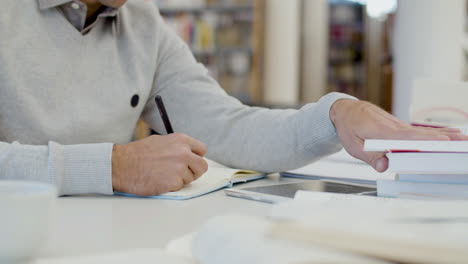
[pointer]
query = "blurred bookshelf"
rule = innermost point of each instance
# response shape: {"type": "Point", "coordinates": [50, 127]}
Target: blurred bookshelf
{"type": "Point", "coordinates": [226, 36]}
{"type": "Point", "coordinates": [229, 37]}
{"type": "Point", "coordinates": [346, 65]}
{"type": "Point", "coordinates": [360, 52]}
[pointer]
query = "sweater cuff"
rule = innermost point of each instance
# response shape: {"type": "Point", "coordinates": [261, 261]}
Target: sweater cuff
{"type": "Point", "coordinates": [317, 128]}
{"type": "Point", "coordinates": [81, 169]}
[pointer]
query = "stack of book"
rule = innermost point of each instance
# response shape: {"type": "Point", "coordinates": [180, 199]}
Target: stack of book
{"type": "Point", "coordinates": [424, 169]}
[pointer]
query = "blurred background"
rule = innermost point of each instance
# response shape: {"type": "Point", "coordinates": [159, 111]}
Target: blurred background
{"type": "Point", "coordinates": [284, 53]}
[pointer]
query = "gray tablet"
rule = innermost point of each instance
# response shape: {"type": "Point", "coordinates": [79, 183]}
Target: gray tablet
{"type": "Point", "coordinates": [286, 191]}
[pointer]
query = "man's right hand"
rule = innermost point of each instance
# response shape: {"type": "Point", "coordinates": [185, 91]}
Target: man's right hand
{"type": "Point", "coordinates": [157, 164]}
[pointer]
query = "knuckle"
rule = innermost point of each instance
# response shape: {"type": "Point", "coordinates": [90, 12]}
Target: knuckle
{"type": "Point", "coordinates": [180, 137]}
{"type": "Point", "coordinates": [188, 180]}
{"type": "Point", "coordinates": [372, 159]}
{"type": "Point", "coordinates": [185, 155]}
{"type": "Point", "coordinates": [180, 169]}
{"type": "Point", "coordinates": [177, 185]}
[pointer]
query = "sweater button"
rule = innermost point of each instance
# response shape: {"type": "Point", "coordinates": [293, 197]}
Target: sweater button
{"type": "Point", "coordinates": [134, 101]}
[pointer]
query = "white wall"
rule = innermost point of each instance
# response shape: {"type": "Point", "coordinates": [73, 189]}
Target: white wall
{"type": "Point", "coordinates": [427, 44]}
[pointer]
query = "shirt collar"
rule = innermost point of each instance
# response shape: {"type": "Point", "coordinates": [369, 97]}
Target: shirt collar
{"type": "Point", "coordinates": [109, 12]}
{"type": "Point", "coordinates": [46, 4]}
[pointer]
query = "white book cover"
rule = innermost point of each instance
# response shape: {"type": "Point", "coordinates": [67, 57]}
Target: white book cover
{"type": "Point", "coordinates": [428, 163]}
{"type": "Point", "coordinates": [433, 178]}
{"type": "Point", "coordinates": [384, 145]}
{"type": "Point", "coordinates": [390, 188]}
{"type": "Point", "coordinates": [380, 145]}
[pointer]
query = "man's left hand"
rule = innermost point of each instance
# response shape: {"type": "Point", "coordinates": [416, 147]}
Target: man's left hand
{"type": "Point", "coordinates": [356, 121]}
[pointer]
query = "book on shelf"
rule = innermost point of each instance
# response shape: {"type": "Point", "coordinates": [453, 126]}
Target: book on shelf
{"type": "Point", "coordinates": [197, 32]}
{"type": "Point", "coordinates": [221, 36]}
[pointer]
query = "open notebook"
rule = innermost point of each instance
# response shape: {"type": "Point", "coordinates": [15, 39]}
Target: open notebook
{"type": "Point", "coordinates": [217, 177]}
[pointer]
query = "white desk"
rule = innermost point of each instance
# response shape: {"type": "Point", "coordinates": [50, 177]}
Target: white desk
{"type": "Point", "coordinates": [99, 224]}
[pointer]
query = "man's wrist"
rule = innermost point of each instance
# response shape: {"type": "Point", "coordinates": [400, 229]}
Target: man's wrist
{"type": "Point", "coordinates": [116, 150]}
{"type": "Point", "coordinates": [337, 108]}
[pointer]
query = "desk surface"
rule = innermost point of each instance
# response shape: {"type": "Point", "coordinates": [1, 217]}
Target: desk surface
{"type": "Point", "coordinates": [97, 224]}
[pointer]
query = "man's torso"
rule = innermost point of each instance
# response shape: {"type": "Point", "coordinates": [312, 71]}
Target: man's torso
{"type": "Point", "coordinates": [57, 84]}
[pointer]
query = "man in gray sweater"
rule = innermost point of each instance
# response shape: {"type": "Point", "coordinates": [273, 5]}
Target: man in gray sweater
{"type": "Point", "coordinates": [75, 76]}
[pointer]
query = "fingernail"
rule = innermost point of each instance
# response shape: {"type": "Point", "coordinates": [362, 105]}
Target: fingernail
{"type": "Point", "coordinates": [380, 165]}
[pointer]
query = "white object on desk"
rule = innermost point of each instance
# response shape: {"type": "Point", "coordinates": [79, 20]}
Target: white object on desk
{"type": "Point", "coordinates": [233, 239]}
{"type": "Point", "coordinates": [391, 188]}
{"type": "Point", "coordinates": [27, 210]}
{"type": "Point", "coordinates": [397, 230]}
{"type": "Point", "coordinates": [341, 167]}
{"type": "Point", "coordinates": [94, 225]}
{"type": "Point", "coordinates": [439, 103]}
{"type": "Point", "coordinates": [137, 256]}
{"type": "Point", "coordinates": [427, 44]}
{"type": "Point", "coordinates": [378, 145]}
{"type": "Point", "coordinates": [433, 178]}
{"type": "Point", "coordinates": [428, 163]}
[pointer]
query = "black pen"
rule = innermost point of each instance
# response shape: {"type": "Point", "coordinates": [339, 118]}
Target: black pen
{"type": "Point", "coordinates": [163, 113]}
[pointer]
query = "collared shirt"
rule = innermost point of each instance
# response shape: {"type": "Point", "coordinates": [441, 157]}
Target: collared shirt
{"type": "Point", "coordinates": [75, 12]}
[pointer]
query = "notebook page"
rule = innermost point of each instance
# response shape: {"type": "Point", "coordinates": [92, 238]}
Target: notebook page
{"type": "Point", "coordinates": [214, 179]}
{"type": "Point", "coordinates": [217, 177]}
{"type": "Point", "coordinates": [237, 175]}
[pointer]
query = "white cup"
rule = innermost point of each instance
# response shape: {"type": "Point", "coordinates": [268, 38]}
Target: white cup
{"type": "Point", "coordinates": [26, 212]}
